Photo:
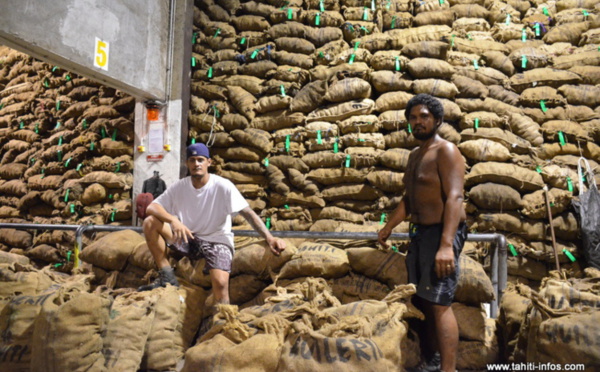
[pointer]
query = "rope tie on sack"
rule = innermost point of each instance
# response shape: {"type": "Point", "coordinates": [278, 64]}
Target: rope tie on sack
{"type": "Point", "coordinates": [484, 150]}
{"type": "Point", "coordinates": [212, 137]}
{"type": "Point", "coordinates": [435, 87]}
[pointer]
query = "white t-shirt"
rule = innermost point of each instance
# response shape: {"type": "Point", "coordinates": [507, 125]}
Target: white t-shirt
{"type": "Point", "coordinates": [206, 211]}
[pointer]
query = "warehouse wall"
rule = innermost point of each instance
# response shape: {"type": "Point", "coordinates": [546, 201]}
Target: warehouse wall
{"type": "Point", "coordinates": [65, 32]}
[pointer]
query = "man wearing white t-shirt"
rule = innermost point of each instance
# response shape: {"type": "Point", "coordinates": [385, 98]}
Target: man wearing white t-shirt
{"type": "Point", "coordinates": [193, 216]}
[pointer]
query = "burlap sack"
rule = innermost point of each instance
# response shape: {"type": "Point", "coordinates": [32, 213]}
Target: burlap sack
{"type": "Point", "coordinates": [128, 330]}
{"type": "Point", "coordinates": [483, 120]}
{"type": "Point", "coordinates": [400, 38]}
{"type": "Point", "coordinates": [512, 175]}
{"type": "Point", "coordinates": [71, 326]}
{"type": "Point", "coordinates": [567, 33]}
{"type": "Point", "coordinates": [395, 159]}
{"type": "Point", "coordinates": [340, 214]}
{"type": "Point", "coordinates": [511, 222]}
{"type": "Point", "coordinates": [193, 272]}
{"type": "Point", "coordinates": [572, 131]}
{"type": "Point", "coordinates": [387, 267]}
{"type": "Point", "coordinates": [485, 75]}
{"type": "Point", "coordinates": [243, 101]}
{"type": "Point", "coordinates": [349, 353]}
{"type": "Point", "coordinates": [12, 171]}
{"type": "Point", "coordinates": [388, 81]}
{"type": "Point", "coordinates": [495, 196]}
{"type": "Point", "coordinates": [558, 310]}
{"type": "Point", "coordinates": [250, 23]}
{"type": "Point", "coordinates": [9, 258]}
{"type": "Point", "coordinates": [42, 182]}
{"type": "Point", "coordinates": [513, 310]}
{"type": "Point", "coordinates": [531, 97]}
{"type": "Point", "coordinates": [423, 68]}
{"type": "Point", "coordinates": [15, 238]}
{"type": "Point", "coordinates": [471, 321]}
{"type": "Point", "coordinates": [356, 69]}
{"type": "Point", "coordinates": [314, 259]}
{"type": "Point", "coordinates": [386, 180]}
{"type": "Point", "coordinates": [109, 180]}
{"type": "Point", "coordinates": [396, 100]}
{"type": "Point", "coordinates": [393, 20]}
{"type": "Point", "coordinates": [278, 119]}
{"type": "Point", "coordinates": [161, 351]}
{"type": "Point", "coordinates": [534, 204]}
{"type": "Point", "coordinates": [17, 320]}
{"type": "Point", "coordinates": [341, 111]}
{"type": "Point", "coordinates": [484, 150]}
{"type": "Point", "coordinates": [506, 138]}
{"type": "Point", "coordinates": [359, 124]}
{"type": "Point", "coordinates": [543, 76]}
{"type": "Point", "coordinates": [13, 187]}
{"type": "Point", "coordinates": [479, 47]}
{"type": "Point", "coordinates": [587, 95]}
{"type": "Point", "coordinates": [375, 42]}
{"type": "Point", "coordinates": [435, 87]}
{"type": "Point", "coordinates": [478, 354]}
{"type": "Point", "coordinates": [258, 353]}
{"type": "Point", "coordinates": [474, 286]}
{"type": "Point", "coordinates": [94, 193]}
{"type": "Point", "coordinates": [238, 153]}
{"type": "Point", "coordinates": [250, 83]}
{"type": "Point", "coordinates": [355, 191]}
{"type": "Point", "coordinates": [527, 268]}
{"type": "Point", "coordinates": [326, 18]}
{"type": "Point", "coordinates": [544, 251]}
{"type": "Point", "coordinates": [257, 259]}
{"type": "Point", "coordinates": [112, 251]}
{"type": "Point", "coordinates": [389, 60]}
{"type": "Point", "coordinates": [526, 128]}
{"type": "Point", "coordinates": [566, 226]}
{"type": "Point", "coordinates": [327, 176]}
{"type": "Point", "coordinates": [272, 103]}
{"type": "Point", "coordinates": [348, 89]}
{"type": "Point", "coordinates": [355, 287]}
{"type": "Point", "coordinates": [469, 88]}
{"type": "Point", "coordinates": [304, 199]}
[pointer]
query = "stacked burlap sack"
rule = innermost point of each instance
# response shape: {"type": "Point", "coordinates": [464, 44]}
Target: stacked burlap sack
{"type": "Point", "coordinates": [306, 275]}
{"type": "Point", "coordinates": [558, 324]}
{"type": "Point", "coordinates": [303, 104]}
{"type": "Point", "coordinates": [52, 322]}
{"type": "Point", "coordinates": [66, 146]}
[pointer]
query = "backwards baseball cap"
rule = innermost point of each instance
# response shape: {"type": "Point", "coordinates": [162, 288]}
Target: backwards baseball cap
{"type": "Point", "coordinates": [198, 149]}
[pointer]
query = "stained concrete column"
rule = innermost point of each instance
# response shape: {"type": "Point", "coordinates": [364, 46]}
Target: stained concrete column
{"type": "Point", "coordinates": [170, 161]}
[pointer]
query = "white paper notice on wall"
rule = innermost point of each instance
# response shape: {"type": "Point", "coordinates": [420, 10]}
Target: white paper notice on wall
{"type": "Point", "coordinates": [101, 54]}
{"type": "Point", "coordinates": [156, 135]}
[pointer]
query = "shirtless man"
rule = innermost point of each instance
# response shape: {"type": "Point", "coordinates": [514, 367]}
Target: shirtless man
{"type": "Point", "coordinates": [193, 217]}
{"type": "Point", "coordinates": [433, 198]}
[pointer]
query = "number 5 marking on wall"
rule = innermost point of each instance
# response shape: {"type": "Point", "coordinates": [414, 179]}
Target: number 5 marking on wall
{"type": "Point", "coordinates": [101, 54]}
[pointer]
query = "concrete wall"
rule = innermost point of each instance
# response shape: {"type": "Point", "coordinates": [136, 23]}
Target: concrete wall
{"type": "Point", "coordinates": [64, 32]}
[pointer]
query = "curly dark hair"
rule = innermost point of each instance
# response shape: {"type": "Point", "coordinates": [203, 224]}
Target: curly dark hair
{"type": "Point", "coordinates": [433, 104]}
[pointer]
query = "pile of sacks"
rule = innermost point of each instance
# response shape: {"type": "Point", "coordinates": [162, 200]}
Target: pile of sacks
{"type": "Point", "coordinates": [299, 299]}
{"type": "Point", "coordinates": [558, 324]}
{"type": "Point", "coordinates": [66, 147]}
{"type": "Point", "coordinates": [303, 104]}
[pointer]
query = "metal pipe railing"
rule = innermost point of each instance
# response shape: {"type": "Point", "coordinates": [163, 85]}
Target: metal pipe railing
{"type": "Point", "coordinates": [499, 254]}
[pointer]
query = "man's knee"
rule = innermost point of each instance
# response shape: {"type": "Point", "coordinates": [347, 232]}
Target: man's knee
{"type": "Point", "coordinates": [152, 224]}
{"type": "Point", "coordinates": [220, 280]}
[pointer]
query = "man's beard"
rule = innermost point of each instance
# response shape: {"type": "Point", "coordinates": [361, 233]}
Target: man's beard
{"type": "Point", "coordinates": [424, 136]}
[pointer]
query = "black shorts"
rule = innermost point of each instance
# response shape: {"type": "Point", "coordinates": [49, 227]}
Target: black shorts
{"type": "Point", "coordinates": [420, 262]}
{"type": "Point", "coordinates": [217, 255]}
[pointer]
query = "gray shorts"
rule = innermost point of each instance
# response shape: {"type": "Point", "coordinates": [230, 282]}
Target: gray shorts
{"type": "Point", "coordinates": [420, 262]}
{"type": "Point", "coordinates": [217, 255]}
